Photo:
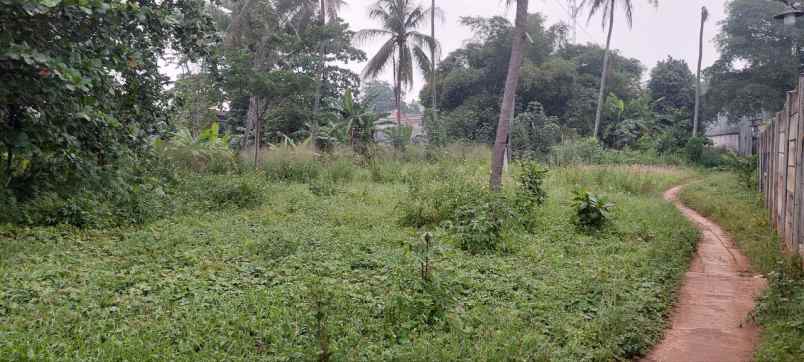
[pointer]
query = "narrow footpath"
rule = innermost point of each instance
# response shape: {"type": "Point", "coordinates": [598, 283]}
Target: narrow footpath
{"type": "Point", "coordinates": [710, 321]}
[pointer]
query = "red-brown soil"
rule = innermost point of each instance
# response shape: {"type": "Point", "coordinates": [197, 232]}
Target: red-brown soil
{"type": "Point", "coordinates": [710, 322]}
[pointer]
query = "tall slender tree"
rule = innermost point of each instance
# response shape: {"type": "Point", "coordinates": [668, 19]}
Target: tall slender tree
{"type": "Point", "coordinates": [404, 45]}
{"type": "Point", "coordinates": [704, 17]}
{"type": "Point", "coordinates": [328, 10]}
{"type": "Point", "coordinates": [608, 9]}
{"type": "Point", "coordinates": [511, 83]}
{"type": "Point", "coordinates": [251, 23]}
{"type": "Point", "coordinates": [434, 59]}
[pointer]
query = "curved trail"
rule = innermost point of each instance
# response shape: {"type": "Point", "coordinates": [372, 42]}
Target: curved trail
{"type": "Point", "coordinates": [710, 320]}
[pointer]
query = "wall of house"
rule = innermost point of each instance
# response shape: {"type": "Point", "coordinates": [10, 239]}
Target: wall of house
{"type": "Point", "coordinates": [727, 141]}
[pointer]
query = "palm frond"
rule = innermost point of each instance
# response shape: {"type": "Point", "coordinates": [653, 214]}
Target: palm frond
{"type": "Point", "coordinates": [425, 41]}
{"type": "Point", "coordinates": [367, 35]}
{"type": "Point", "coordinates": [405, 65]}
{"type": "Point", "coordinates": [423, 61]}
{"type": "Point", "coordinates": [380, 61]}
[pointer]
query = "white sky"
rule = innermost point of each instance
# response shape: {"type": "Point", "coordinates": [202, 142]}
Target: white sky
{"type": "Point", "coordinates": [670, 29]}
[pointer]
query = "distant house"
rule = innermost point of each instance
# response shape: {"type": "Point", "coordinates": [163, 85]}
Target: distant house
{"type": "Point", "coordinates": [414, 121]}
{"type": "Point", "coordinates": [738, 136]}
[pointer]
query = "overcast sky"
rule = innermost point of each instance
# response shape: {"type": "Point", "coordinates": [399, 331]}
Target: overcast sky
{"type": "Point", "coordinates": [670, 29]}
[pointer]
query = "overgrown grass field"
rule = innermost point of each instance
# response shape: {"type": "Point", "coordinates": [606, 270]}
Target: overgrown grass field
{"type": "Point", "coordinates": [740, 211]}
{"type": "Point", "coordinates": [325, 260]}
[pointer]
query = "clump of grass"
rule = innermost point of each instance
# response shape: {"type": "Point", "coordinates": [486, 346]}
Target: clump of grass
{"type": "Point", "coordinates": [220, 192]}
{"type": "Point", "coordinates": [299, 164]}
{"type": "Point", "coordinates": [725, 199]}
{"type": "Point", "coordinates": [640, 180]}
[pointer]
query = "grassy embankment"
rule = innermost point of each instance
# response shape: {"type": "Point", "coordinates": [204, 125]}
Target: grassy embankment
{"type": "Point", "coordinates": [305, 259]}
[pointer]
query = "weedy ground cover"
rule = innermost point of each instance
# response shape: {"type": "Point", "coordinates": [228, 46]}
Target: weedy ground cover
{"type": "Point", "coordinates": [322, 263]}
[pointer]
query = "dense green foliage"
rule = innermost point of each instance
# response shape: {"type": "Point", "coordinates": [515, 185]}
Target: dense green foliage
{"type": "Point", "coordinates": [562, 78]}
{"type": "Point", "coordinates": [291, 274]}
{"type": "Point", "coordinates": [81, 91]}
{"type": "Point", "coordinates": [739, 210]}
{"type": "Point", "coordinates": [672, 85]}
{"type": "Point", "coordinates": [755, 68]}
{"type": "Point", "coordinates": [591, 211]}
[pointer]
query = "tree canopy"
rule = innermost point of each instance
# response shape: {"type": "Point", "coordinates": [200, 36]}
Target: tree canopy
{"type": "Point", "coordinates": [562, 78]}
{"type": "Point", "coordinates": [81, 87]}
{"type": "Point", "coordinates": [755, 67]}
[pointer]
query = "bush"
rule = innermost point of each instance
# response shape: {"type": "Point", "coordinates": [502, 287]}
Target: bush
{"type": "Point", "coordinates": [322, 187]}
{"type": "Point", "coordinates": [582, 151]}
{"type": "Point", "coordinates": [695, 149]}
{"type": "Point", "coordinates": [530, 180]}
{"type": "Point", "coordinates": [291, 164]}
{"type": "Point", "coordinates": [746, 170]}
{"type": "Point", "coordinates": [340, 169]}
{"type": "Point", "coordinates": [82, 211]}
{"type": "Point", "coordinates": [591, 211]}
{"type": "Point", "coordinates": [431, 202]}
{"type": "Point", "coordinates": [479, 224]}
{"type": "Point", "coordinates": [209, 153]}
{"type": "Point", "coordinates": [120, 204]}
{"type": "Point", "coordinates": [220, 192]}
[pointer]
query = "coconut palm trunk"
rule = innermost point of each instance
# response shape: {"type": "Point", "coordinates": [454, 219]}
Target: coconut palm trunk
{"type": "Point", "coordinates": [322, 18]}
{"type": "Point", "coordinates": [704, 16]}
{"type": "Point", "coordinates": [601, 98]}
{"type": "Point", "coordinates": [434, 108]}
{"type": "Point", "coordinates": [511, 83]}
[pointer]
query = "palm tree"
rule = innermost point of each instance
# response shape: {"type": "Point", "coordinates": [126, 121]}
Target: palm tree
{"type": "Point", "coordinates": [608, 7]}
{"type": "Point", "coordinates": [433, 58]}
{"type": "Point", "coordinates": [327, 9]}
{"type": "Point", "coordinates": [507, 108]}
{"type": "Point", "coordinates": [403, 47]}
{"type": "Point", "coordinates": [704, 17]}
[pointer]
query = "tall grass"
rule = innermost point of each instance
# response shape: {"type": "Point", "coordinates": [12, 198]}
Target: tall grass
{"type": "Point", "coordinates": [259, 265]}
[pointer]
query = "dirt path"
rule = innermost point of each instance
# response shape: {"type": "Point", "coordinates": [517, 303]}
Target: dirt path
{"type": "Point", "coordinates": [709, 323]}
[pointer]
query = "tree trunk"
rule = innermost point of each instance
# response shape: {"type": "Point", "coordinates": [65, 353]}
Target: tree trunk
{"type": "Point", "coordinates": [398, 91]}
{"type": "Point", "coordinates": [511, 83]}
{"type": "Point", "coordinates": [434, 107]}
{"type": "Point", "coordinates": [14, 116]}
{"type": "Point", "coordinates": [256, 109]}
{"type": "Point", "coordinates": [321, 70]}
{"type": "Point", "coordinates": [601, 98]}
{"type": "Point", "coordinates": [698, 87]}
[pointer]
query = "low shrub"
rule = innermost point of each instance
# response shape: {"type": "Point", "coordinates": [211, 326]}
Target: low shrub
{"type": "Point", "coordinates": [291, 164]}
{"type": "Point", "coordinates": [695, 149]}
{"type": "Point", "coordinates": [431, 202]}
{"type": "Point", "coordinates": [582, 151]}
{"type": "Point", "coordinates": [220, 192]}
{"type": "Point", "coordinates": [339, 170]}
{"type": "Point", "coordinates": [479, 224]}
{"type": "Point", "coordinates": [323, 187]}
{"type": "Point", "coordinates": [591, 211]}
{"type": "Point", "coordinates": [119, 204]}
{"type": "Point", "coordinates": [530, 179]}
{"type": "Point", "coordinates": [209, 153]}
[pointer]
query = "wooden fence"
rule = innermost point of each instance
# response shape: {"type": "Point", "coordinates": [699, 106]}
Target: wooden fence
{"type": "Point", "coordinates": [780, 151]}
